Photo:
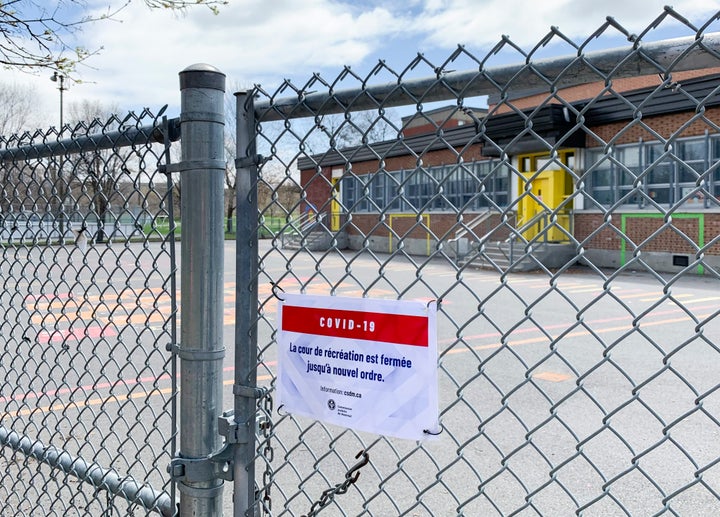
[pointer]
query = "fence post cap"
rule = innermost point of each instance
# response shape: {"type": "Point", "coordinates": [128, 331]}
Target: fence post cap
{"type": "Point", "coordinates": [202, 75]}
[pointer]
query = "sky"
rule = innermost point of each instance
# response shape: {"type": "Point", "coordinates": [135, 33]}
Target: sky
{"type": "Point", "coordinates": [266, 41]}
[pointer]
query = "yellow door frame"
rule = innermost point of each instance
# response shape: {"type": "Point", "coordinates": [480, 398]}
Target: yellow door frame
{"type": "Point", "coordinates": [335, 204]}
{"type": "Point", "coordinates": [547, 191]}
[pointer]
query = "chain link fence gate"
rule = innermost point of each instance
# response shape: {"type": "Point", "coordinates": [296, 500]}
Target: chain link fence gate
{"type": "Point", "coordinates": [568, 384]}
{"type": "Point", "coordinates": [568, 231]}
{"type": "Point", "coordinates": [87, 261]}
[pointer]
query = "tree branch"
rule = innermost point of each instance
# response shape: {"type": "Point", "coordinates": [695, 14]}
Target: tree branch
{"type": "Point", "coordinates": [33, 37]}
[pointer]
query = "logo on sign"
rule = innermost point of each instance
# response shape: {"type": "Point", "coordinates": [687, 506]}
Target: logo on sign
{"type": "Point", "coordinates": [331, 404]}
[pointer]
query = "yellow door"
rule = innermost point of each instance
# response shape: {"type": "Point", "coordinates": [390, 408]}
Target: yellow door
{"type": "Point", "coordinates": [533, 204]}
{"type": "Point", "coordinates": [335, 205]}
{"type": "Point", "coordinates": [542, 195]}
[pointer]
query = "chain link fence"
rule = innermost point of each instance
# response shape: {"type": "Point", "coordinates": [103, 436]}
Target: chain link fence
{"type": "Point", "coordinates": [88, 308]}
{"type": "Point", "coordinates": [564, 214]}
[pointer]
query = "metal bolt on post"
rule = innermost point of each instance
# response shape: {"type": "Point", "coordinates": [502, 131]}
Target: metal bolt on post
{"type": "Point", "coordinates": [201, 348]}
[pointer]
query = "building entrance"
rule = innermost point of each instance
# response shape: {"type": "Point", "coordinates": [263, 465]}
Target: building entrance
{"type": "Point", "coordinates": [544, 189]}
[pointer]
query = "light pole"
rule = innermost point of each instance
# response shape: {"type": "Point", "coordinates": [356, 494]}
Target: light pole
{"type": "Point", "coordinates": [61, 79]}
{"type": "Point", "coordinates": [55, 77]}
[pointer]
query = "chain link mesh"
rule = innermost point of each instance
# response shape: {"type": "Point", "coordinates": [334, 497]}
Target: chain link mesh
{"type": "Point", "coordinates": [88, 308]}
{"type": "Point", "coordinates": [562, 232]}
{"type": "Point", "coordinates": [569, 232]}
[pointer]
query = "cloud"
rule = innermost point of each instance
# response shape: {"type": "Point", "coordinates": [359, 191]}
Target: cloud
{"type": "Point", "coordinates": [250, 41]}
{"type": "Point", "coordinates": [481, 24]}
{"type": "Point", "coordinates": [264, 42]}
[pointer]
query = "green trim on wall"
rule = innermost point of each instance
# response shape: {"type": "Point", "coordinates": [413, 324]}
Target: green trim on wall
{"type": "Point", "coordinates": [701, 230]}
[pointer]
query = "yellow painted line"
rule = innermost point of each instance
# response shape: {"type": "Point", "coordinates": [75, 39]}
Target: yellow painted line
{"type": "Point", "coordinates": [542, 281]}
{"type": "Point", "coordinates": [91, 402]}
{"type": "Point", "coordinates": [581, 333]}
{"type": "Point", "coordinates": [97, 401]}
{"type": "Point", "coordinates": [640, 295]}
{"type": "Point", "coordinates": [98, 318]}
{"type": "Point", "coordinates": [551, 376]}
{"type": "Point", "coordinates": [575, 290]}
{"type": "Point", "coordinates": [585, 287]}
{"type": "Point", "coordinates": [699, 300]}
{"type": "Point", "coordinates": [42, 303]}
{"type": "Point", "coordinates": [660, 295]}
{"type": "Point", "coordinates": [541, 339]}
{"type": "Point", "coordinates": [378, 293]}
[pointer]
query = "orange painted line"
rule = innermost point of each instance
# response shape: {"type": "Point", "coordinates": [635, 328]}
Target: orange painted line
{"type": "Point", "coordinates": [709, 299]}
{"type": "Point", "coordinates": [552, 376]}
{"type": "Point", "coordinates": [65, 335]}
{"type": "Point", "coordinates": [105, 400]}
{"type": "Point", "coordinates": [105, 385]}
{"type": "Point", "coordinates": [87, 403]}
{"type": "Point", "coordinates": [582, 333]}
{"type": "Point", "coordinates": [60, 300]}
{"type": "Point", "coordinates": [581, 290]}
{"type": "Point", "coordinates": [486, 335]}
{"type": "Point", "coordinates": [640, 295]}
{"type": "Point", "coordinates": [687, 295]}
{"type": "Point", "coordinates": [87, 387]}
{"type": "Point", "coordinates": [98, 317]}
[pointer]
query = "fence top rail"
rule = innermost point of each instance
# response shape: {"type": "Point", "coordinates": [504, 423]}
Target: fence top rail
{"type": "Point", "coordinates": [95, 142]}
{"type": "Point", "coordinates": [672, 55]}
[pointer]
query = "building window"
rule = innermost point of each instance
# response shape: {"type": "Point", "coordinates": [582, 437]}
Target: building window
{"type": "Point", "coordinates": [629, 167]}
{"type": "Point", "coordinates": [692, 175]}
{"type": "Point", "coordinates": [353, 190]}
{"type": "Point", "coordinates": [458, 187]}
{"type": "Point", "coordinates": [649, 173]}
{"type": "Point", "coordinates": [714, 168]}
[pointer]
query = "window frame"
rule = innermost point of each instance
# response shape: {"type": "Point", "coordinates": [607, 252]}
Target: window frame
{"type": "Point", "coordinates": [460, 183]}
{"type": "Point", "coordinates": [649, 152]}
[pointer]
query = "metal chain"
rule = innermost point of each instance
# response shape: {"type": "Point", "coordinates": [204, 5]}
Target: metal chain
{"type": "Point", "coordinates": [351, 477]}
{"type": "Point", "coordinates": [268, 454]}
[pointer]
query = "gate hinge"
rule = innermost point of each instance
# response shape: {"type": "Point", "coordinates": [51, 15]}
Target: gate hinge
{"type": "Point", "coordinates": [233, 432]}
{"type": "Point", "coordinates": [249, 161]}
{"type": "Point", "coordinates": [218, 465]}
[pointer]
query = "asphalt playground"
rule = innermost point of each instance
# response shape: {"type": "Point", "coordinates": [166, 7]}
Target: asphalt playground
{"type": "Point", "coordinates": [585, 390]}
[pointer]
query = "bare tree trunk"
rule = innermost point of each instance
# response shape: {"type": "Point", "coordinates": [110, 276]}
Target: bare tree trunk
{"type": "Point", "coordinates": [230, 212]}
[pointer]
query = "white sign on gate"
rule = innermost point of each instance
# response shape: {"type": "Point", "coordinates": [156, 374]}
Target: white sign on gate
{"type": "Point", "coordinates": [366, 364]}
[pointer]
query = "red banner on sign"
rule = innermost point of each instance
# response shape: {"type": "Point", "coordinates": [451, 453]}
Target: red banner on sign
{"type": "Point", "coordinates": [398, 329]}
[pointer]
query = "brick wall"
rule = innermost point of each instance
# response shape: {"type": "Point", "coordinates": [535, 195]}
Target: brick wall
{"type": "Point", "coordinates": [665, 125]}
{"type": "Point", "coordinates": [317, 188]}
{"type": "Point", "coordinates": [675, 240]}
{"type": "Point", "coordinates": [591, 90]}
{"type": "Point", "coordinates": [441, 157]}
{"type": "Point", "coordinates": [442, 225]}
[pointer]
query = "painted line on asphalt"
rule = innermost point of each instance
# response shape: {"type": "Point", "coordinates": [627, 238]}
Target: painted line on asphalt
{"type": "Point", "coordinates": [494, 335]}
{"type": "Point", "coordinates": [582, 333]}
{"type": "Point", "coordinates": [552, 376]}
{"type": "Point", "coordinates": [106, 385]}
{"type": "Point", "coordinates": [97, 401]}
{"type": "Point", "coordinates": [699, 300]}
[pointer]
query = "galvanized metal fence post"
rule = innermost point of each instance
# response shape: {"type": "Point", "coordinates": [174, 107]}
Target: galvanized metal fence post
{"type": "Point", "coordinates": [245, 388]}
{"type": "Point", "coordinates": [202, 274]}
